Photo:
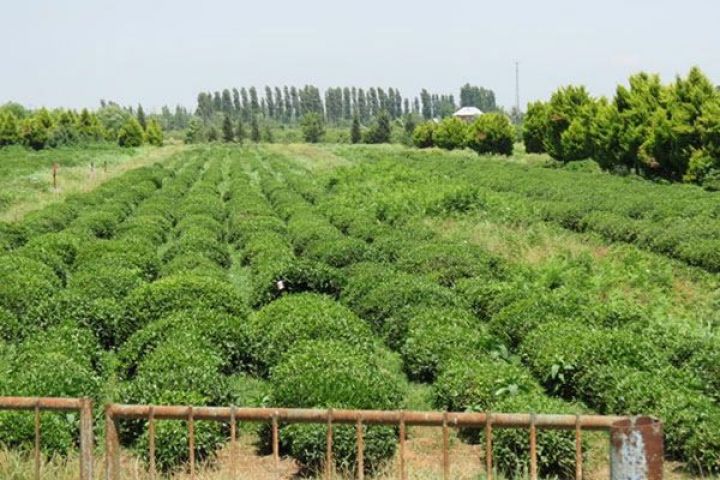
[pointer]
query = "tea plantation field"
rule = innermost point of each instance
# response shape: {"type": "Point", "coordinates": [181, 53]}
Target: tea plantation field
{"type": "Point", "coordinates": [344, 276]}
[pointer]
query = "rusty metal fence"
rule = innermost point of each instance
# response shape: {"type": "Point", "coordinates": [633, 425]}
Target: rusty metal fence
{"type": "Point", "coordinates": [636, 442]}
{"type": "Point", "coordinates": [39, 404]}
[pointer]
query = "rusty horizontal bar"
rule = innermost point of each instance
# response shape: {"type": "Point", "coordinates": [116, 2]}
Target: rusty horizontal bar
{"type": "Point", "coordinates": [377, 417]}
{"type": "Point", "coordinates": [43, 403]}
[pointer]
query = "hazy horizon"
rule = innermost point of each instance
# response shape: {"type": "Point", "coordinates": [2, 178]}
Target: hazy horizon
{"type": "Point", "coordinates": [75, 53]}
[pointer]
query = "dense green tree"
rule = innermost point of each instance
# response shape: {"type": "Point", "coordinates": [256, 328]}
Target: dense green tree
{"type": "Point", "coordinates": [246, 112]}
{"type": "Point", "coordinates": [426, 101]}
{"type": "Point", "coordinates": [131, 134]}
{"type": "Point", "coordinates": [9, 131]}
{"type": "Point", "coordinates": [228, 130]}
{"type": "Point", "coordinates": [240, 131]}
{"type": "Point", "coordinates": [534, 127]}
{"type": "Point", "coordinates": [269, 102]}
{"type": "Point", "coordinates": [355, 133]}
{"type": "Point", "coordinates": [141, 117]}
{"type": "Point", "coordinates": [479, 97]}
{"type": "Point", "coordinates": [313, 127]}
{"type": "Point", "coordinates": [566, 105]}
{"type": "Point", "coordinates": [254, 102]}
{"type": "Point", "coordinates": [154, 133]}
{"type": "Point", "coordinates": [255, 129]}
{"type": "Point", "coordinates": [451, 133]}
{"type": "Point", "coordinates": [380, 131]}
{"type": "Point", "coordinates": [237, 106]}
{"type": "Point", "coordinates": [491, 133]}
{"type": "Point", "coordinates": [227, 104]}
{"type": "Point", "coordinates": [212, 134]}
{"type": "Point", "coordinates": [423, 135]}
{"type": "Point", "coordinates": [194, 133]}
{"type": "Point", "coordinates": [279, 105]}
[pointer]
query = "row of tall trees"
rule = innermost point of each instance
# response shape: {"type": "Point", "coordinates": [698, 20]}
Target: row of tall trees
{"type": "Point", "coordinates": [335, 105]}
{"type": "Point", "coordinates": [43, 128]}
{"type": "Point", "coordinates": [661, 130]}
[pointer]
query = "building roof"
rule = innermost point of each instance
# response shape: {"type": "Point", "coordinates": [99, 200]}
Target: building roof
{"type": "Point", "coordinates": [468, 112]}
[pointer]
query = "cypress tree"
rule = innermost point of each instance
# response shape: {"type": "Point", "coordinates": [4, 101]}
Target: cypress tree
{"type": "Point", "coordinates": [240, 131]}
{"type": "Point", "coordinates": [237, 107]}
{"type": "Point", "coordinates": [279, 105]}
{"type": "Point", "coordinates": [254, 103]}
{"type": "Point", "coordinates": [154, 133]}
{"type": "Point", "coordinates": [141, 117]}
{"type": "Point", "coordinates": [255, 130]}
{"type": "Point", "coordinates": [355, 134]}
{"type": "Point", "coordinates": [245, 104]}
{"type": "Point", "coordinates": [228, 132]}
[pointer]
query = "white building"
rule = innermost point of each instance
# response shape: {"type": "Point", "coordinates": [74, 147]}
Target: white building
{"type": "Point", "coordinates": [468, 113]}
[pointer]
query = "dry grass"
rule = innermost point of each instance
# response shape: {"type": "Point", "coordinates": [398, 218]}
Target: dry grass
{"type": "Point", "coordinates": [312, 157]}
{"type": "Point", "coordinates": [81, 178]}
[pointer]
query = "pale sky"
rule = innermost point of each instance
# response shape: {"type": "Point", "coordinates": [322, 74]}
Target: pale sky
{"type": "Point", "coordinates": [74, 52]}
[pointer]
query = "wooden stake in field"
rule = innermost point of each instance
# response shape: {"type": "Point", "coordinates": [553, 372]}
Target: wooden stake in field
{"type": "Point", "coordinates": [55, 168]}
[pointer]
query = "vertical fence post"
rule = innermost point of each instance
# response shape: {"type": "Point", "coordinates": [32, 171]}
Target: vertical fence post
{"type": "Point", "coordinates": [446, 447]}
{"type": "Point", "coordinates": [86, 439]}
{"type": "Point", "coordinates": [329, 447]}
{"type": "Point", "coordinates": [191, 441]}
{"type": "Point", "coordinates": [360, 456]}
{"type": "Point", "coordinates": [488, 446]}
{"type": "Point", "coordinates": [533, 449]}
{"type": "Point", "coordinates": [403, 472]}
{"type": "Point", "coordinates": [112, 446]}
{"type": "Point", "coordinates": [578, 449]}
{"type": "Point", "coordinates": [276, 443]}
{"type": "Point", "coordinates": [37, 439]}
{"type": "Point", "coordinates": [636, 449]}
{"type": "Point", "coordinates": [151, 443]}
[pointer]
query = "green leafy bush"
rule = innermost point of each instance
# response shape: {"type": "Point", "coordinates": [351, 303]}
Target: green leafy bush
{"type": "Point", "coordinates": [175, 293]}
{"type": "Point", "coordinates": [228, 334]}
{"type": "Point", "coordinates": [437, 336]}
{"type": "Point", "coordinates": [451, 133]}
{"type": "Point", "coordinates": [25, 282]}
{"type": "Point", "coordinates": [304, 316]}
{"type": "Point", "coordinates": [323, 374]}
{"type": "Point", "coordinates": [126, 253]}
{"type": "Point", "coordinates": [375, 294]}
{"type": "Point", "coordinates": [105, 316]}
{"type": "Point", "coordinates": [491, 133]}
{"type": "Point", "coordinates": [423, 135]}
{"type": "Point", "coordinates": [199, 241]}
{"type": "Point", "coordinates": [338, 252]}
{"type": "Point", "coordinates": [479, 383]}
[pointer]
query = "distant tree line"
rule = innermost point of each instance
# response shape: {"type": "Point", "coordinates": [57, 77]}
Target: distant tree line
{"type": "Point", "coordinates": [669, 131]}
{"type": "Point", "coordinates": [43, 128]}
{"type": "Point", "coordinates": [288, 105]}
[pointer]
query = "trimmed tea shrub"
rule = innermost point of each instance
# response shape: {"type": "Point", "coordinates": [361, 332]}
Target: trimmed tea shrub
{"type": "Point", "coordinates": [227, 333]}
{"type": "Point", "coordinates": [175, 293]}
{"type": "Point", "coordinates": [10, 327]}
{"type": "Point", "coordinates": [106, 281]}
{"type": "Point", "coordinates": [338, 252]}
{"type": "Point", "coordinates": [480, 383]}
{"type": "Point", "coordinates": [324, 374]}
{"type": "Point", "coordinates": [304, 316]}
{"type": "Point", "coordinates": [195, 265]}
{"type": "Point", "coordinates": [105, 317]}
{"type": "Point", "coordinates": [435, 337]}
{"type": "Point", "coordinates": [128, 252]}
{"type": "Point", "coordinates": [25, 282]}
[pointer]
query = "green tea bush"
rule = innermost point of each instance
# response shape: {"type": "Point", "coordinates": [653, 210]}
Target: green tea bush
{"type": "Point", "coordinates": [202, 204]}
{"type": "Point", "coordinates": [448, 263]}
{"type": "Point", "coordinates": [199, 241]}
{"type": "Point", "coordinates": [52, 218]}
{"type": "Point", "coordinates": [243, 228]}
{"type": "Point", "coordinates": [128, 252]}
{"type": "Point", "coordinates": [555, 448]}
{"type": "Point", "coordinates": [304, 316]}
{"type": "Point", "coordinates": [175, 293]}
{"type": "Point", "coordinates": [101, 223]}
{"type": "Point", "coordinates": [195, 265]}
{"type": "Point", "coordinates": [153, 228]}
{"type": "Point", "coordinates": [296, 275]}
{"type": "Point", "coordinates": [56, 250]}
{"type": "Point", "coordinates": [229, 335]}
{"type": "Point", "coordinates": [479, 383]}
{"type": "Point", "coordinates": [436, 337]}
{"type": "Point", "coordinates": [491, 133]}
{"type": "Point", "coordinates": [375, 295]}
{"type": "Point", "coordinates": [323, 374]}
{"type": "Point", "coordinates": [104, 316]}
{"type": "Point", "coordinates": [10, 326]}
{"type": "Point", "coordinates": [12, 235]}
{"type": "Point", "coordinates": [25, 282]}
{"type": "Point", "coordinates": [560, 351]}
{"type": "Point", "coordinates": [204, 222]}
{"type": "Point", "coordinates": [179, 372]}
{"type": "Point", "coordinates": [105, 281]}
{"type": "Point", "coordinates": [179, 364]}
{"type": "Point", "coordinates": [338, 252]}
{"type": "Point", "coordinates": [57, 363]}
